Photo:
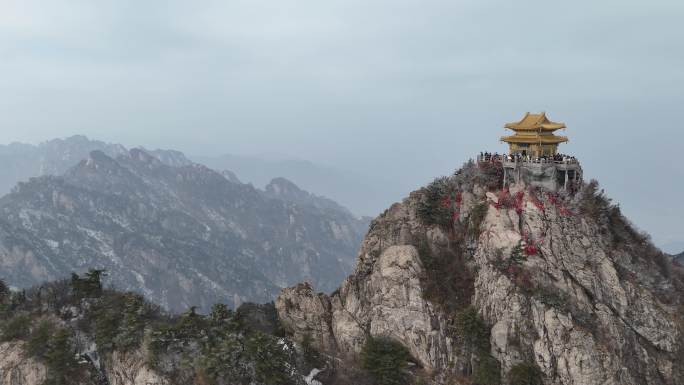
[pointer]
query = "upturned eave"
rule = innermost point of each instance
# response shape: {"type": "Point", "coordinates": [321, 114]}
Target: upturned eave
{"type": "Point", "coordinates": [554, 139]}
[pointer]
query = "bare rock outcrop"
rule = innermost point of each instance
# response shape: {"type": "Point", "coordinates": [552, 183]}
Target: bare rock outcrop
{"type": "Point", "coordinates": [384, 298]}
{"type": "Point", "coordinates": [307, 313]}
{"type": "Point", "coordinates": [563, 282]}
{"type": "Point", "coordinates": [599, 328]}
{"type": "Point", "coordinates": [131, 369]}
{"type": "Point", "coordinates": [17, 369]}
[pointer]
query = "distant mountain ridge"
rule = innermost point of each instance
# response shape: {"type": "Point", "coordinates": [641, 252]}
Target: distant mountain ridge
{"type": "Point", "coordinates": [23, 161]}
{"type": "Point", "coordinates": [680, 258]}
{"type": "Point", "coordinates": [176, 231]}
{"type": "Point", "coordinates": [362, 194]}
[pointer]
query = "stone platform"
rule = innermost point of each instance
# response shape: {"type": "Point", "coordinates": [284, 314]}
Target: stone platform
{"type": "Point", "coordinates": [547, 174]}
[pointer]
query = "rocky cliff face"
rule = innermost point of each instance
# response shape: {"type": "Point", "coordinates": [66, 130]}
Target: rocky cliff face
{"type": "Point", "coordinates": [182, 235]}
{"type": "Point", "coordinates": [16, 369]}
{"type": "Point", "coordinates": [130, 368]}
{"type": "Point", "coordinates": [565, 287]}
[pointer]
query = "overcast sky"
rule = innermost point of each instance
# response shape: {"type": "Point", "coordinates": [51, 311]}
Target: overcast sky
{"type": "Point", "coordinates": [403, 89]}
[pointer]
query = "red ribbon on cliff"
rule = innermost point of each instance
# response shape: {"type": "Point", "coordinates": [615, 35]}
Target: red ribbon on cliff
{"type": "Point", "coordinates": [519, 199]}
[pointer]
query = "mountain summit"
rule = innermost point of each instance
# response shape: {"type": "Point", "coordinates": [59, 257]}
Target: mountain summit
{"type": "Point", "coordinates": [483, 283]}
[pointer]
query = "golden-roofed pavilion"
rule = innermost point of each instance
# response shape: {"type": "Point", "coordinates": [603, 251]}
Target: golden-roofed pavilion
{"type": "Point", "coordinates": [534, 136]}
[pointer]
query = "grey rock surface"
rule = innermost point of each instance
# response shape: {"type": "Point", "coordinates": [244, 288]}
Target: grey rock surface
{"type": "Point", "coordinates": [593, 303]}
{"type": "Point", "coordinates": [16, 369]}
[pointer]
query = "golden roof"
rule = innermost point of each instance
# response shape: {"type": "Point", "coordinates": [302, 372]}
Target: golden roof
{"type": "Point", "coordinates": [535, 122]}
{"type": "Point", "coordinates": [541, 139]}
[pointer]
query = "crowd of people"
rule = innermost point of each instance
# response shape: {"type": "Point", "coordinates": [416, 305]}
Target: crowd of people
{"type": "Point", "coordinates": [496, 157]}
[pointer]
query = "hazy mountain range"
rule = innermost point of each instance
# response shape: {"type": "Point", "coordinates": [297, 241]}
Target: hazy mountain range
{"type": "Point", "coordinates": [673, 247]}
{"type": "Point", "coordinates": [362, 194]}
{"type": "Point", "coordinates": [177, 231]}
{"type": "Point", "coordinates": [22, 161]}
{"type": "Point", "coordinates": [680, 258]}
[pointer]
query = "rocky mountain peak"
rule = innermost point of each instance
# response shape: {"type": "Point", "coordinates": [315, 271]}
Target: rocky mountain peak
{"type": "Point", "coordinates": [231, 176]}
{"type": "Point", "coordinates": [170, 157]}
{"type": "Point", "coordinates": [71, 148]}
{"type": "Point", "coordinates": [286, 189]}
{"type": "Point", "coordinates": [100, 172]}
{"type": "Point", "coordinates": [99, 161]}
{"type": "Point", "coordinates": [142, 156]}
{"type": "Point", "coordinates": [483, 282]}
{"type": "Point", "coordinates": [57, 156]}
{"type": "Point", "coordinates": [281, 188]}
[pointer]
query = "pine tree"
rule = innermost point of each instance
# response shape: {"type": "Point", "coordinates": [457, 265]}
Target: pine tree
{"type": "Point", "coordinates": [39, 339]}
{"type": "Point", "coordinates": [525, 374]}
{"type": "Point", "coordinates": [4, 291]}
{"type": "Point", "coordinates": [385, 360]}
{"type": "Point", "coordinates": [311, 355]}
{"type": "Point", "coordinates": [517, 255]}
{"type": "Point", "coordinates": [60, 359]}
{"type": "Point", "coordinates": [16, 328]}
{"type": "Point", "coordinates": [272, 363]}
{"type": "Point", "coordinates": [90, 286]}
{"type": "Point", "coordinates": [132, 325]}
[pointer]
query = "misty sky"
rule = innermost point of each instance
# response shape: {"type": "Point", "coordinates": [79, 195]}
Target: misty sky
{"type": "Point", "coordinates": [406, 90]}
